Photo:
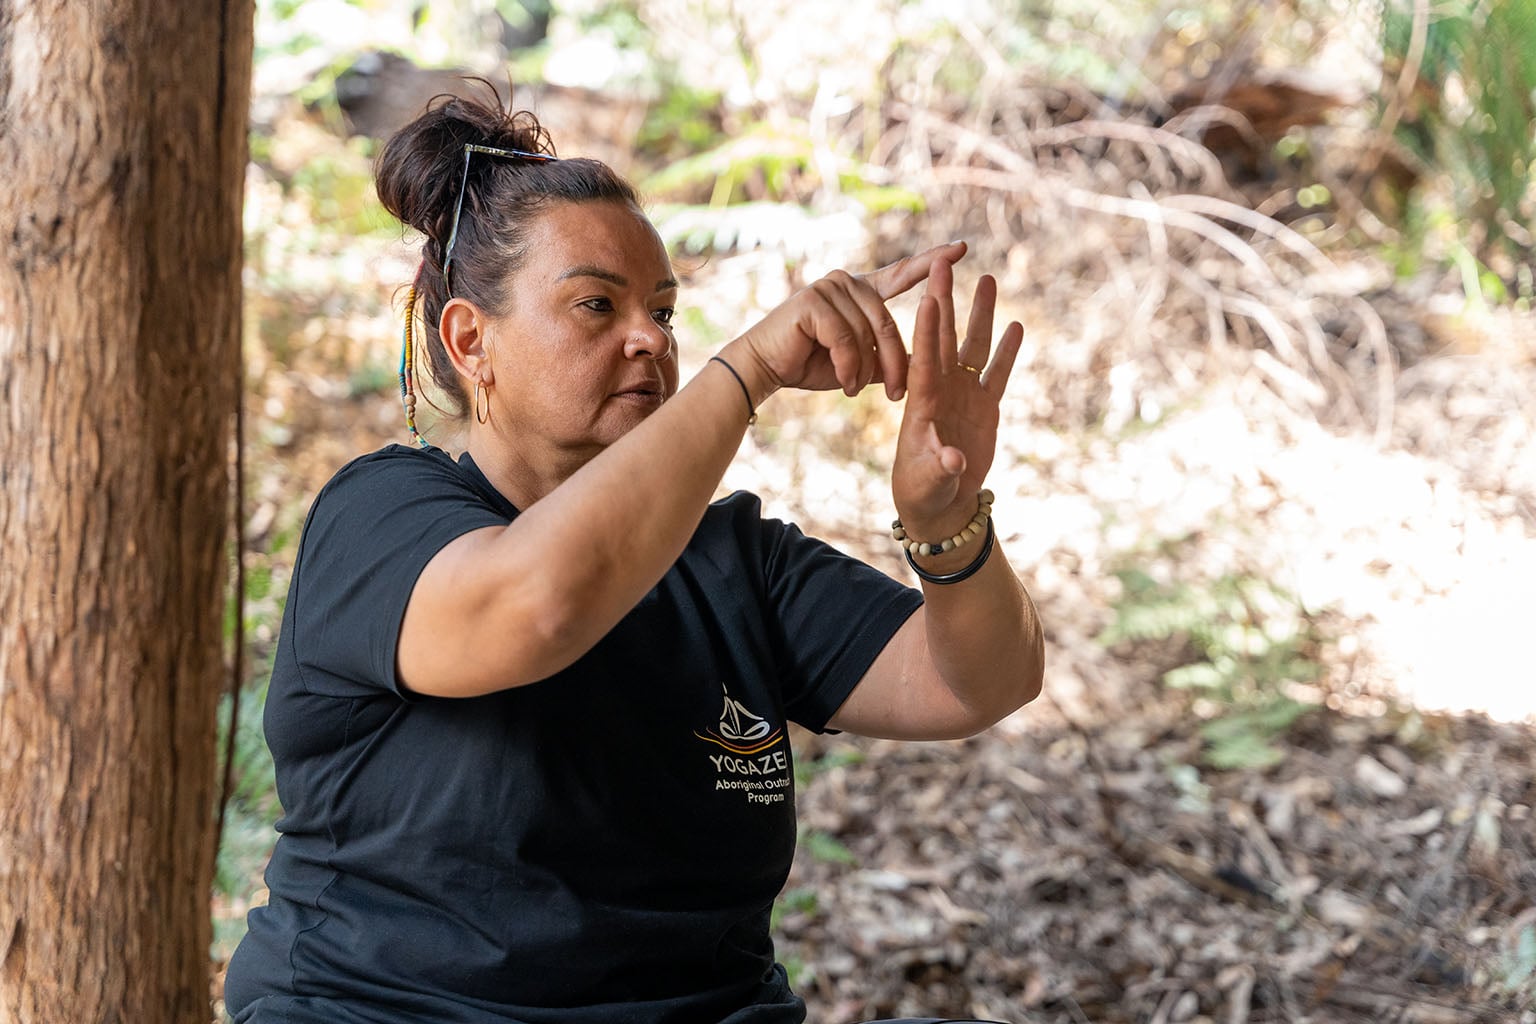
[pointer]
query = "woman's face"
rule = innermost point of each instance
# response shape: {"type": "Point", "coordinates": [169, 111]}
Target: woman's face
{"type": "Point", "coordinates": [586, 351]}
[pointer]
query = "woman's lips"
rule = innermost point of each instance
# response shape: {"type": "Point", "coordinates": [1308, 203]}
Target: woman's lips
{"type": "Point", "coordinates": [642, 394]}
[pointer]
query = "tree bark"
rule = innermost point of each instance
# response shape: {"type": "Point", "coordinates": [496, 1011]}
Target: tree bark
{"type": "Point", "coordinates": [122, 161]}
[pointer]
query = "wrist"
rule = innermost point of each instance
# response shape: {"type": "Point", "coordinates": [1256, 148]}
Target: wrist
{"type": "Point", "coordinates": [935, 530]}
{"type": "Point", "coordinates": [946, 568]}
{"type": "Point", "coordinates": [954, 528]}
{"type": "Point", "coordinates": [950, 557]}
{"type": "Point", "coordinates": [757, 377]}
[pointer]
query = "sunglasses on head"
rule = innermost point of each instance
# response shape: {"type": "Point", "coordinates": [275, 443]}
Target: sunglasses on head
{"type": "Point", "coordinates": [470, 149]}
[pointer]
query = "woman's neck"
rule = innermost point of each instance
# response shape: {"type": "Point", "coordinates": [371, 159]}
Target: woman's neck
{"type": "Point", "coordinates": [521, 474]}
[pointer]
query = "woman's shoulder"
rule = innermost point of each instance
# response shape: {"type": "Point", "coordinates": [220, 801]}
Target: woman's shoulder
{"type": "Point", "coordinates": [740, 518]}
{"type": "Point", "coordinates": [741, 513]}
{"type": "Point", "coordinates": [398, 478]}
{"type": "Point", "coordinates": [393, 467]}
{"type": "Point", "coordinates": [737, 503]}
{"type": "Point", "coordinates": [398, 459]}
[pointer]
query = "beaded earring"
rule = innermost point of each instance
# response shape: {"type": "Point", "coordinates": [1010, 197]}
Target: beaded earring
{"type": "Point", "coordinates": [408, 369]}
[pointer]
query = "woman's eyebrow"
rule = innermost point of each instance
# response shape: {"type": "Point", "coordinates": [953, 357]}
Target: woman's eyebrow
{"type": "Point", "coordinates": [592, 270]}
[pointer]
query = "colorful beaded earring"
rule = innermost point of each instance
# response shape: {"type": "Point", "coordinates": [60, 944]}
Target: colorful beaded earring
{"type": "Point", "coordinates": [408, 369]}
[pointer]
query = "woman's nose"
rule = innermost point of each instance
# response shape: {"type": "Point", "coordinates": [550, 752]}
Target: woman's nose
{"type": "Point", "coordinates": [649, 339]}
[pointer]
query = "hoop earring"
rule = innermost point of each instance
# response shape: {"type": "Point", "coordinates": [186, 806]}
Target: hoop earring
{"type": "Point", "coordinates": [479, 416]}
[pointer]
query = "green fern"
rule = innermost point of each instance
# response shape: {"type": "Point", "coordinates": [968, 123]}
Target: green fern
{"type": "Point", "coordinates": [1484, 50]}
{"type": "Point", "coordinates": [1246, 639]}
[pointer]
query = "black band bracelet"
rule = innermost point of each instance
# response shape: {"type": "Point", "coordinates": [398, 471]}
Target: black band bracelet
{"type": "Point", "coordinates": [958, 574]}
{"type": "Point", "coordinates": [751, 412]}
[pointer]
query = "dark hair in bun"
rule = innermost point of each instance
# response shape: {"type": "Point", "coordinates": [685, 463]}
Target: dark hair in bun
{"type": "Point", "coordinates": [417, 176]}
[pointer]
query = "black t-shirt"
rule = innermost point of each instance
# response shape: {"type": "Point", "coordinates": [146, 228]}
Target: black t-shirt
{"type": "Point", "coordinates": [600, 846]}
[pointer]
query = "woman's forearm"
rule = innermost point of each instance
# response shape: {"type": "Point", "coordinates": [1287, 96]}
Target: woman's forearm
{"type": "Point", "coordinates": [531, 599]}
{"type": "Point", "coordinates": [984, 636]}
{"type": "Point", "coordinates": [611, 531]}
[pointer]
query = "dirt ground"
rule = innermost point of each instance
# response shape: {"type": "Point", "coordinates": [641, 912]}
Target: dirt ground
{"type": "Point", "coordinates": [1077, 871]}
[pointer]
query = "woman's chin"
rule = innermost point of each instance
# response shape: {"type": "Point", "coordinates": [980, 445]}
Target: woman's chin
{"type": "Point", "coordinates": [624, 412]}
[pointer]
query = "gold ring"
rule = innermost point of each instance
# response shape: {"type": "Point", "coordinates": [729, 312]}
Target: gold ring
{"type": "Point", "coordinates": [969, 369]}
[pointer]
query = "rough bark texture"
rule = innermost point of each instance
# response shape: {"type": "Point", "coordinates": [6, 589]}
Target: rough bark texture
{"type": "Point", "coordinates": [122, 154]}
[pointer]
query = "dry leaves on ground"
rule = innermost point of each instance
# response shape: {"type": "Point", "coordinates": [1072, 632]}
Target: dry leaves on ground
{"type": "Point", "coordinates": [1066, 872]}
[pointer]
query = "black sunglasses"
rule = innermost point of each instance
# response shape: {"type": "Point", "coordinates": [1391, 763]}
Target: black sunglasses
{"type": "Point", "coordinates": [470, 149]}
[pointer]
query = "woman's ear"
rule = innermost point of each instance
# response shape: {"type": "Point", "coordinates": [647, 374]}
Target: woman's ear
{"type": "Point", "coordinates": [462, 327]}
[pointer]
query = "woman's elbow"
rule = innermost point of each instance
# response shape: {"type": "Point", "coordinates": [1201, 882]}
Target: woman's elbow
{"type": "Point", "coordinates": [1022, 688]}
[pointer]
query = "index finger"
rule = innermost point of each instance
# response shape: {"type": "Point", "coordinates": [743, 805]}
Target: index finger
{"type": "Point", "coordinates": [890, 281]}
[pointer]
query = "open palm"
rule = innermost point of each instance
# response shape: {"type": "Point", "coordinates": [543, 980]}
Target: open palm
{"type": "Point", "coordinates": [949, 430]}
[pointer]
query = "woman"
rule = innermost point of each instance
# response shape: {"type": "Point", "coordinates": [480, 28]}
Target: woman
{"type": "Point", "coordinates": [529, 709]}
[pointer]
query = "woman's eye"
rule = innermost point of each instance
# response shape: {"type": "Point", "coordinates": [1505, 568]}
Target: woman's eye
{"type": "Point", "coordinates": [599, 305]}
{"type": "Point", "coordinates": [664, 315]}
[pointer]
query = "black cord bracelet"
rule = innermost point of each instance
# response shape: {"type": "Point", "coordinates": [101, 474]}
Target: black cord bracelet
{"type": "Point", "coordinates": [958, 574]}
{"type": "Point", "coordinates": [751, 412]}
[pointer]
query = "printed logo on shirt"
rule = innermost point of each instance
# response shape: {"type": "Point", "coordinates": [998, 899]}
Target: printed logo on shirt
{"type": "Point", "coordinates": [752, 757]}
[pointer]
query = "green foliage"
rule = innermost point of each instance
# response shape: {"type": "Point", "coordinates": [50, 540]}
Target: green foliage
{"type": "Point", "coordinates": [878, 199]}
{"type": "Point", "coordinates": [799, 972]}
{"type": "Point", "coordinates": [1063, 41]}
{"type": "Point", "coordinates": [339, 190]}
{"type": "Point", "coordinates": [253, 804]}
{"type": "Point", "coordinates": [818, 844]}
{"type": "Point", "coordinates": [619, 19]}
{"type": "Point", "coordinates": [713, 155]}
{"type": "Point", "coordinates": [825, 847]}
{"type": "Point", "coordinates": [1245, 739]}
{"type": "Point", "coordinates": [1246, 639]}
{"type": "Point", "coordinates": [282, 33]}
{"type": "Point", "coordinates": [371, 378]}
{"type": "Point", "coordinates": [1194, 795]}
{"type": "Point", "coordinates": [1519, 966]}
{"type": "Point", "coordinates": [684, 120]}
{"type": "Point", "coordinates": [282, 9]}
{"type": "Point", "coordinates": [767, 155]}
{"type": "Point", "coordinates": [800, 900]}
{"type": "Point", "coordinates": [697, 325]}
{"type": "Point", "coordinates": [318, 95]}
{"type": "Point", "coordinates": [1473, 118]}
{"type": "Point", "coordinates": [807, 770]}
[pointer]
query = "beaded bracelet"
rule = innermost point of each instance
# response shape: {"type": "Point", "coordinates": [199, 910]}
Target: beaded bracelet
{"type": "Point", "coordinates": [980, 523]}
{"type": "Point", "coordinates": [972, 529]}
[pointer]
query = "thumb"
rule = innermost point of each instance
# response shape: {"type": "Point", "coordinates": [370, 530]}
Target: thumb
{"type": "Point", "coordinates": [936, 481]}
{"type": "Point", "coordinates": [891, 280]}
{"type": "Point", "coordinates": [952, 462]}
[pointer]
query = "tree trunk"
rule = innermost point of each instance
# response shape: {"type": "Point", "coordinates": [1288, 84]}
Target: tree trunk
{"type": "Point", "coordinates": [122, 160]}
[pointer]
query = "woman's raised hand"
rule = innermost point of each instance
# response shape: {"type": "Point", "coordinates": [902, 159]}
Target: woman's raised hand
{"type": "Point", "coordinates": [949, 430]}
{"type": "Point", "coordinates": [837, 333]}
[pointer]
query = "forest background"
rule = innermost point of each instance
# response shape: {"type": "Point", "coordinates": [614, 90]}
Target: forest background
{"type": "Point", "coordinates": [1267, 461]}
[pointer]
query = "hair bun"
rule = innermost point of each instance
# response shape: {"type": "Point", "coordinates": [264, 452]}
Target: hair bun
{"type": "Point", "coordinates": [417, 173]}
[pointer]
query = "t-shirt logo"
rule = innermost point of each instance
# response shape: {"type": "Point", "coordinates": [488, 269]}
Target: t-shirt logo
{"type": "Point", "coordinates": [739, 724]}
{"type": "Point", "coordinates": [755, 761]}
{"type": "Point", "coordinates": [741, 730]}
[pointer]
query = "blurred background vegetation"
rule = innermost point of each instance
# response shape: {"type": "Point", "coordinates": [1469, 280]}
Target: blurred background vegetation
{"type": "Point", "coordinates": [1317, 213]}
